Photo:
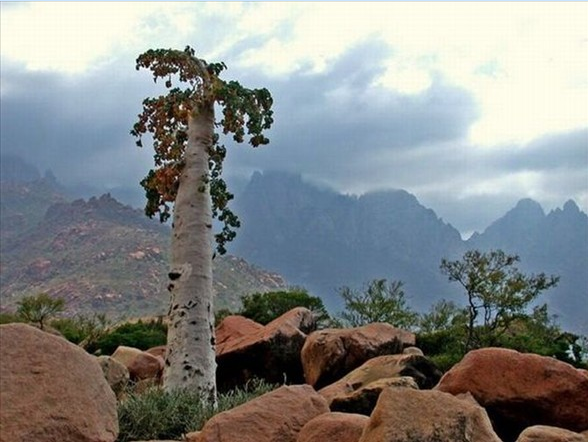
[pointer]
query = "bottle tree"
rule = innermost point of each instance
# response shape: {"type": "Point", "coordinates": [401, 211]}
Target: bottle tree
{"type": "Point", "coordinates": [188, 159]}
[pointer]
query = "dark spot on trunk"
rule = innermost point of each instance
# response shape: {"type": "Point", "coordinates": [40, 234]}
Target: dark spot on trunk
{"type": "Point", "coordinates": [192, 322]}
{"type": "Point", "coordinates": [174, 275]}
{"type": "Point", "coordinates": [170, 287]}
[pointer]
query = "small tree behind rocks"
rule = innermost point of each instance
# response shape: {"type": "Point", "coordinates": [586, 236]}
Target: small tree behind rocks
{"type": "Point", "coordinates": [37, 309]}
{"type": "Point", "coordinates": [380, 301]}
{"type": "Point", "coordinates": [497, 293]}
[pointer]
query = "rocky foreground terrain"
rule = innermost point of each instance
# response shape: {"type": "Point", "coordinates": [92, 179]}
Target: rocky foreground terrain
{"type": "Point", "coordinates": [368, 384]}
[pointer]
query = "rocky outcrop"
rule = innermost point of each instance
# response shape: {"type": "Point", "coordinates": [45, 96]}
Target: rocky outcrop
{"type": "Point", "coordinates": [333, 427]}
{"type": "Point", "coordinates": [521, 390]}
{"type": "Point", "coordinates": [52, 390]}
{"type": "Point", "coordinates": [271, 353]}
{"type": "Point", "coordinates": [358, 390]}
{"type": "Point", "coordinates": [362, 400]}
{"type": "Point", "coordinates": [141, 364]}
{"type": "Point", "coordinates": [543, 433]}
{"type": "Point", "coordinates": [234, 327]}
{"type": "Point", "coordinates": [330, 354]}
{"type": "Point", "coordinates": [277, 416]}
{"type": "Point", "coordinates": [116, 374]}
{"type": "Point", "coordinates": [407, 415]}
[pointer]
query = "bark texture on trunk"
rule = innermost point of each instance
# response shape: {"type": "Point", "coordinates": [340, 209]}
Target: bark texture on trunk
{"type": "Point", "coordinates": [190, 360]}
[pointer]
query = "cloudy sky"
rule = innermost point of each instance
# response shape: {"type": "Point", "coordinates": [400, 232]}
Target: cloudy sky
{"type": "Point", "coordinates": [469, 106]}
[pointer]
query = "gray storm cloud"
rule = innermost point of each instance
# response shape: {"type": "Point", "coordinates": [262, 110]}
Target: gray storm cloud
{"type": "Point", "coordinates": [336, 127]}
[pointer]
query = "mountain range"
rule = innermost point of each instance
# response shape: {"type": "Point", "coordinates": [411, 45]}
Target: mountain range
{"type": "Point", "coordinates": [97, 254]}
{"type": "Point", "coordinates": [324, 240]}
{"type": "Point", "coordinates": [101, 254]}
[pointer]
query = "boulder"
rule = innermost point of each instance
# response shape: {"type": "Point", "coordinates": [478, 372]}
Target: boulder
{"type": "Point", "coordinates": [277, 416]}
{"type": "Point", "coordinates": [521, 390]}
{"type": "Point", "coordinates": [157, 351]}
{"type": "Point", "coordinates": [412, 351]}
{"type": "Point", "coordinates": [52, 390]}
{"type": "Point", "coordinates": [271, 353]}
{"type": "Point", "coordinates": [116, 374]}
{"type": "Point", "coordinates": [234, 327]}
{"type": "Point", "coordinates": [141, 364]}
{"type": "Point", "coordinates": [330, 354]}
{"type": "Point", "coordinates": [125, 355]}
{"type": "Point", "coordinates": [407, 415]}
{"type": "Point", "coordinates": [544, 433]}
{"type": "Point", "coordinates": [146, 366]}
{"type": "Point", "coordinates": [333, 427]}
{"type": "Point", "coordinates": [363, 399]}
{"type": "Point", "coordinates": [358, 391]}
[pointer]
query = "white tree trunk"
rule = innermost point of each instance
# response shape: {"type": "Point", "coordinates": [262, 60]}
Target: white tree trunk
{"type": "Point", "coordinates": [190, 359]}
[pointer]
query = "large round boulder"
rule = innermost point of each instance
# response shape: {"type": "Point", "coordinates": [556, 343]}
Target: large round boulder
{"type": "Point", "coordinates": [52, 390]}
{"type": "Point", "coordinates": [330, 354]}
{"type": "Point", "coordinates": [520, 390]}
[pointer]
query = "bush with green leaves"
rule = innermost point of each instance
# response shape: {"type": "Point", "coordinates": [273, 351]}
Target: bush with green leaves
{"type": "Point", "coordinates": [497, 293]}
{"type": "Point", "coordinates": [265, 307]}
{"type": "Point", "coordinates": [380, 301]}
{"type": "Point", "coordinates": [156, 414]}
{"type": "Point", "coordinates": [9, 318]}
{"type": "Point", "coordinates": [37, 309]}
{"type": "Point", "coordinates": [141, 334]}
{"type": "Point", "coordinates": [83, 330]}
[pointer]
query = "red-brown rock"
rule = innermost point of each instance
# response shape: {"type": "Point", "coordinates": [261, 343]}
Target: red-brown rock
{"type": "Point", "coordinates": [116, 374]}
{"type": "Point", "coordinates": [333, 427]}
{"type": "Point", "coordinates": [52, 390]}
{"type": "Point", "coordinates": [358, 391]}
{"type": "Point", "coordinates": [543, 433]}
{"type": "Point", "coordinates": [330, 354]}
{"type": "Point", "coordinates": [277, 416]}
{"type": "Point", "coordinates": [407, 415]}
{"type": "Point", "coordinates": [521, 390]}
{"type": "Point", "coordinates": [141, 364]}
{"type": "Point", "coordinates": [157, 351]}
{"type": "Point", "coordinates": [234, 327]}
{"type": "Point", "coordinates": [271, 353]}
{"type": "Point", "coordinates": [146, 366]}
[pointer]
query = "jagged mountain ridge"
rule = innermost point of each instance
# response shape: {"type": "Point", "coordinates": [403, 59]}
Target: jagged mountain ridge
{"type": "Point", "coordinates": [323, 240]}
{"type": "Point", "coordinates": [100, 256]}
{"type": "Point", "coordinates": [554, 243]}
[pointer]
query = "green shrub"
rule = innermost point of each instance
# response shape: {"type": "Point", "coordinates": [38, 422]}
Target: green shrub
{"type": "Point", "coordinates": [265, 307]}
{"type": "Point", "coordinates": [156, 414]}
{"type": "Point", "coordinates": [82, 330]}
{"type": "Point", "coordinates": [141, 335]}
{"type": "Point", "coordinates": [9, 318]}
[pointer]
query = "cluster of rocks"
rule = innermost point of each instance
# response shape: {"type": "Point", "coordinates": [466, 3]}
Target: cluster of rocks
{"type": "Point", "coordinates": [367, 384]}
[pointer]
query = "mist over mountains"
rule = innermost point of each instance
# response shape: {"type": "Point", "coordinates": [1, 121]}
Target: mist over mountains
{"type": "Point", "coordinates": [322, 240]}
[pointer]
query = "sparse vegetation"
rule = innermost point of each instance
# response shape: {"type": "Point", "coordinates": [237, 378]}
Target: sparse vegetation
{"type": "Point", "coordinates": [380, 301]}
{"type": "Point", "coordinates": [141, 334]}
{"type": "Point", "coordinates": [37, 309]}
{"type": "Point", "coordinates": [498, 294]}
{"type": "Point", "coordinates": [265, 307]}
{"type": "Point", "coordinates": [156, 414]}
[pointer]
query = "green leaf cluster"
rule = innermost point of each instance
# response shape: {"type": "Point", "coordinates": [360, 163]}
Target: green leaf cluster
{"type": "Point", "coordinates": [379, 301]}
{"type": "Point", "coordinates": [265, 307]}
{"type": "Point", "coordinates": [246, 113]}
{"type": "Point", "coordinates": [38, 309]}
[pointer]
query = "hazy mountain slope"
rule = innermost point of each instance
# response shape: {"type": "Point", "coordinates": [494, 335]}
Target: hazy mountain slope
{"type": "Point", "coordinates": [100, 255]}
{"type": "Point", "coordinates": [554, 243]}
{"type": "Point", "coordinates": [324, 240]}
